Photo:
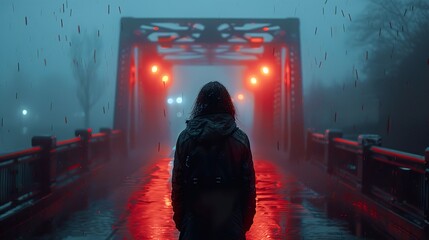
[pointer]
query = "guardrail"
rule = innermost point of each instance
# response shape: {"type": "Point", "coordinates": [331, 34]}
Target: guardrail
{"type": "Point", "coordinates": [33, 173]}
{"type": "Point", "coordinates": [398, 179]}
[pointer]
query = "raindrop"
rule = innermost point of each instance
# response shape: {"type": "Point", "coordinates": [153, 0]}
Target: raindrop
{"type": "Point", "coordinates": [342, 12]}
{"type": "Point", "coordinates": [108, 9]}
{"type": "Point", "coordinates": [62, 24]}
{"type": "Point", "coordinates": [357, 74]}
{"type": "Point", "coordinates": [331, 32]}
{"type": "Point", "coordinates": [320, 64]}
{"type": "Point", "coordinates": [390, 23]}
{"type": "Point", "coordinates": [350, 17]}
{"type": "Point", "coordinates": [326, 1]}
{"type": "Point", "coordinates": [18, 67]}
{"type": "Point", "coordinates": [379, 33]}
{"type": "Point", "coordinates": [344, 28]}
{"type": "Point", "coordinates": [50, 108]}
{"type": "Point", "coordinates": [335, 10]}
{"type": "Point", "coordinates": [98, 33]}
{"type": "Point", "coordinates": [26, 21]}
{"type": "Point", "coordinates": [405, 12]}
{"type": "Point", "coordinates": [65, 120]}
{"type": "Point", "coordinates": [63, 8]}
{"type": "Point", "coordinates": [323, 11]}
{"type": "Point", "coordinates": [362, 107]}
{"type": "Point", "coordinates": [164, 109]}
{"type": "Point", "coordinates": [315, 31]}
{"type": "Point", "coordinates": [71, 10]}
{"type": "Point", "coordinates": [59, 38]}
{"type": "Point", "coordinates": [78, 29]}
{"type": "Point", "coordinates": [366, 55]}
{"type": "Point", "coordinates": [104, 110]}
{"type": "Point", "coordinates": [389, 125]}
{"type": "Point", "coordinates": [119, 8]}
{"type": "Point", "coordinates": [44, 60]}
{"type": "Point", "coordinates": [326, 55]}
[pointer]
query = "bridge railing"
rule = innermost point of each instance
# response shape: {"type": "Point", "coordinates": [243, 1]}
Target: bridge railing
{"type": "Point", "coordinates": [35, 172]}
{"type": "Point", "coordinates": [397, 179]}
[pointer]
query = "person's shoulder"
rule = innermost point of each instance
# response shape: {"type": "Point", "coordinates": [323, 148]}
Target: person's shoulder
{"type": "Point", "coordinates": [241, 136]}
{"type": "Point", "coordinates": [183, 136]}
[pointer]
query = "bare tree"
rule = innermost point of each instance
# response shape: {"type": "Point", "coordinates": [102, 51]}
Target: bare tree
{"type": "Point", "coordinates": [394, 34]}
{"type": "Point", "coordinates": [85, 49]}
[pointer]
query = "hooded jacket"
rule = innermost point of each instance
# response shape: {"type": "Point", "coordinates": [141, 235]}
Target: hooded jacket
{"type": "Point", "coordinates": [213, 128]}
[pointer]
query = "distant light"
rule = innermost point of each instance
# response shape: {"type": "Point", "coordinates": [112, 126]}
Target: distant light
{"type": "Point", "coordinates": [155, 28]}
{"type": "Point", "coordinates": [240, 96]}
{"type": "Point", "coordinates": [170, 101]}
{"type": "Point", "coordinates": [253, 80]}
{"type": "Point", "coordinates": [256, 39]}
{"type": "Point", "coordinates": [179, 100]}
{"type": "Point", "coordinates": [265, 29]}
{"type": "Point", "coordinates": [165, 78]}
{"type": "Point", "coordinates": [154, 69]}
{"type": "Point", "coordinates": [265, 70]}
{"type": "Point", "coordinates": [24, 112]}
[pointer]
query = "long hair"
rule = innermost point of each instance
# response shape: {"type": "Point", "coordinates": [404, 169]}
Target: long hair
{"type": "Point", "coordinates": [213, 98]}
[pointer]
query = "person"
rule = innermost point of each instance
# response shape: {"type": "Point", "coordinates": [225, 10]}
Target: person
{"type": "Point", "coordinates": [213, 180]}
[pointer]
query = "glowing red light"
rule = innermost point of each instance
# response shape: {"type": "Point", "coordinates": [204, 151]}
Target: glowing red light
{"type": "Point", "coordinates": [155, 28]}
{"type": "Point", "coordinates": [154, 69]}
{"type": "Point", "coordinates": [265, 29]}
{"type": "Point", "coordinates": [165, 78]}
{"type": "Point", "coordinates": [253, 80]}
{"type": "Point", "coordinates": [265, 70]}
{"type": "Point", "coordinates": [256, 39]}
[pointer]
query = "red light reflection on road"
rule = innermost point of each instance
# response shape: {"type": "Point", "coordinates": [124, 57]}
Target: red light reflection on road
{"type": "Point", "coordinates": [151, 214]}
{"type": "Point", "coordinates": [150, 211]}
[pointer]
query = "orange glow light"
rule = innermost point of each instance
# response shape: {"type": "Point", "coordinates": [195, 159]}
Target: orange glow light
{"type": "Point", "coordinates": [265, 70]}
{"type": "Point", "coordinates": [265, 29]}
{"type": "Point", "coordinates": [165, 78]}
{"type": "Point", "coordinates": [253, 80]}
{"type": "Point", "coordinates": [256, 39]}
{"type": "Point", "coordinates": [240, 96]}
{"type": "Point", "coordinates": [154, 69]}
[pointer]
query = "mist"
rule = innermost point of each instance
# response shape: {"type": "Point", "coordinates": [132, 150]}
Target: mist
{"type": "Point", "coordinates": [38, 65]}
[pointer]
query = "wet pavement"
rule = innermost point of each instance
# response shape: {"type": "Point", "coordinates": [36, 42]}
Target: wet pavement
{"type": "Point", "coordinates": [139, 207]}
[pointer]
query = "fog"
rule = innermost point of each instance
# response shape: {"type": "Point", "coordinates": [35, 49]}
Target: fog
{"type": "Point", "coordinates": [37, 61]}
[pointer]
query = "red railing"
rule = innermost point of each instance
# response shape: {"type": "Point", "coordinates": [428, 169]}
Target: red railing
{"type": "Point", "coordinates": [398, 179]}
{"type": "Point", "coordinates": [34, 172]}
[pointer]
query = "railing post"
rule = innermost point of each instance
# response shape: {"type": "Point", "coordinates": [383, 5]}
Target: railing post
{"type": "Point", "coordinates": [367, 141]}
{"type": "Point", "coordinates": [108, 143]}
{"type": "Point", "coordinates": [309, 144]}
{"type": "Point", "coordinates": [426, 184]}
{"type": "Point", "coordinates": [47, 165]}
{"type": "Point", "coordinates": [85, 136]}
{"type": "Point", "coordinates": [331, 152]}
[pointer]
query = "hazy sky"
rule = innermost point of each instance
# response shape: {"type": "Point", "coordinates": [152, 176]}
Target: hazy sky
{"type": "Point", "coordinates": [35, 35]}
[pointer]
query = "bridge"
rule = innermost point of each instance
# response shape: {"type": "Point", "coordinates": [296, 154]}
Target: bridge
{"type": "Point", "coordinates": [116, 183]}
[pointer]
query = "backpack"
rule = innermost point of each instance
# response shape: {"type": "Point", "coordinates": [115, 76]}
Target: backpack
{"type": "Point", "coordinates": [210, 182]}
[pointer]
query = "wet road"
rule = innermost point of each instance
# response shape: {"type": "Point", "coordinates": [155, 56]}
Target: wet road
{"type": "Point", "coordinates": [140, 208]}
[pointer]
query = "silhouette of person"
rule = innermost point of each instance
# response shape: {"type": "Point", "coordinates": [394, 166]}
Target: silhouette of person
{"type": "Point", "coordinates": [213, 180]}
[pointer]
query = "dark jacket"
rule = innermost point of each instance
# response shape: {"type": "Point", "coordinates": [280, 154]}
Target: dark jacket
{"type": "Point", "coordinates": [212, 128]}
